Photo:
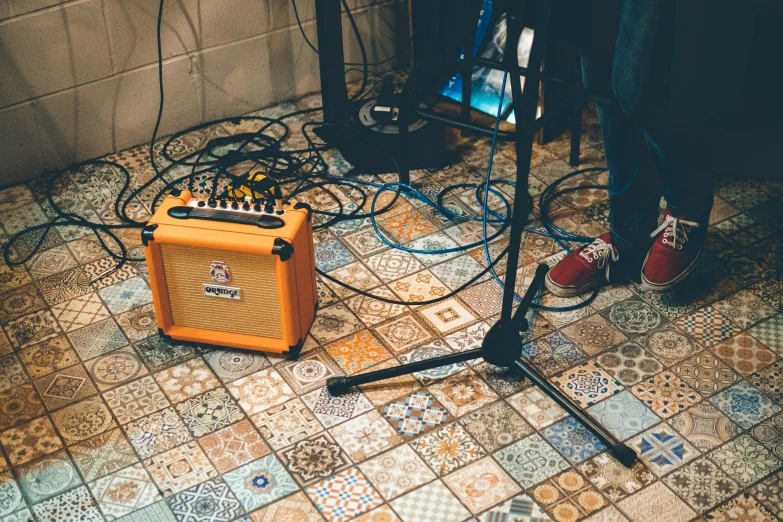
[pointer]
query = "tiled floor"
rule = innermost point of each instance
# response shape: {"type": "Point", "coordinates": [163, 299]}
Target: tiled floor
{"type": "Point", "coordinates": [100, 419]}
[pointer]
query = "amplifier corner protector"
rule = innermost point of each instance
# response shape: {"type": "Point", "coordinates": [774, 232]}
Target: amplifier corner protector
{"type": "Point", "coordinates": [283, 248]}
{"type": "Point", "coordinates": [147, 234]}
{"type": "Point", "coordinates": [305, 206]}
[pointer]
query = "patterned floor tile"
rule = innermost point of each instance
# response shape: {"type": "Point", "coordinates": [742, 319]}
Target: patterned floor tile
{"type": "Point", "coordinates": [623, 414]}
{"type": "Point", "coordinates": [334, 322]}
{"type": "Point", "coordinates": [157, 433]}
{"type": "Point", "coordinates": [344, 496]}
{"type": "Point", "coordinates": [536, 408]}
{"type": "Point", "coordinates": [79, 312]}
{"type": "Point", "coordinates": [435, 349]}
{"type": "Point", "coordinates": [561, 319]}
{"type": "Point", "coordinates": [66, 285]}
{"type": "Point", "coordinates": [568, 496]}
{"type": "Point", "coordinates": [286, 423]}
{"type": "Point", "coordinates": [770, 433]}
{"type": "Point", "coordinates": [742, 507]}
{"type": "Point", "coordinates": [260, 482]}
{"type": "Point", "coordinates": [230, 365]}
{"type": "Point", "coordinates": [209, 411]}
{"type": "Point", "coordinates": [462, 393]}
{"type": "Point", "coordinates": [634, 316]}
{"type": "Point", "coordinates": [20, 301]}
{"type": "Point", "coordinates": [496, 425]}
{"type": "Point", "coordinates": [701, 484]}
{"type": "Point", "coordinates": [393, 264]}
{"type": "Point", "coordinates": [656, 503]}
{"type": "Point", "coordinates": [314, 458]}
{"type": "Point", "coordinates": [396, 472]}
{"type": "Point", "coordinates": [419, 287]}
{"type": "Point", "coordinates": [11, 372]}
{"type": "Point", "coordinates": [365, 436]}
{"type": "Point", "coordinates": [744, 404]}
{"type": "Point", "coordinates": [745, 460]}
{"type": "Point", "coordinates": [11, 501]}
{"type": "Point", "coordinates": [296, 507]}
{"type": "Point", "coordinates": [126, 295]}
{"type": "Point", "coordinates": [403, 333]}
{"type": "Point", "coordinates": [356, 275]}
{"type": "Point", "coordinates": [706, 373]}
{"type": "Point", "coordinates": [770, 333]}
{"type": "Point", "coordinates": [587, 384]}
{"type": "Point", "coordinates": [331, 411]}
{"type": "Point", "coordinates": [124, 491]}
{"type": "Point", "coordinates": [415, 414]}
{"type": "Point", "coordinates": [505, 381]}
{"type": "Point", "coordinates": [136, 399]}
{"type": "Point", "coordinates": [430, 503]}
{"type": "Point", "coordinates": [744, 353]}
{"type": "Point", "coordinates": [47, 357]}
{"type": "Point", "coordinates": [447, 316]}
{"type": "Point", "coordinates": [704, 426]}
{"type": "Point", "coordinates": [233, 446]}
{"type": "Point", "coordinates": [448, 448]}
{"type": "Point", "coordinates": [629, 363]}
{"type": "Point", "coordinates": [186, 380]}
{"type": "Point", "coordinates": [64, 387]}
{"type": "Point", "coordinates": [458, 271]}
{"type": "Point", "coordinates": [530, 460]}
{"type": "Point", "coordinates": [97, 338]}
{"type": "Point", "coordinates": [32, 328]}
{"type": "Point", "coordinates": [76, 504]}
{"type": "Point", "coordinates": [707, 325]}
{"type": "Point", "coordinates": [770, 381]}
{"type": "Point", "coordinates": [47, 477]}
{"type": "Point", "coordinates": [331, 254]}
{"type": "Point", "coordinates": [179, 468]}
{"type": "Point", "coordinates": [521, 508]}
{"type": "Point", "coordinates": [594, 334]}
{"type": "Point", "coordinates": [19, 404]}
{"type": "Point", "coordinates": [30, 441]}
{"type": "Point", "coordinates": [744, 308]}
{"type": "Point", "coordinates": [260, 391]}
{"type": "Point", "coordinates": [158, 353]}
{"type": "Point", "coordinates": [357, 352]}
{"type": "Point", "coordinates": [670, 345]}
{"type": "Point", "coordinates": [770, 493]}
{"type": "Point", "coordinates": [115, 368]}
{"type": "Point", "coordinates": [573, 440]}
{"type": "Point", "coordinates": [552, 353]}
{"type": "Point", "coordinates": [665, 394]}
{"type": "Point", "coordinates": [481, 485]}
{"type": "Point", "coordinates": [83, 420]}
{"type": "Point", "coordinates": [662, 449]}
{"type": "Point", "coordinates": [139, 323]}
{"type": "Point", "coordinates": [211, 500]}
{"type": "Point", "coordinates": [103, 454]}
{"type": "Point", "coordinates": [613, 479]}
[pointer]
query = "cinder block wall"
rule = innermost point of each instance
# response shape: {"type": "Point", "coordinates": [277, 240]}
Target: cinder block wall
{"type": "Point", "coordinates": [78, 78]}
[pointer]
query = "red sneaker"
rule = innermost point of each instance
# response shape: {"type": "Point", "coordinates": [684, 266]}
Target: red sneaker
{"type": "Point", "coordinates": [584, 269]}
{"type": "Point", "coordinates": [673, 255]}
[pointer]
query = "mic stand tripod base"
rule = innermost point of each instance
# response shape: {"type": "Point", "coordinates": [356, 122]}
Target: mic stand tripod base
{"type": "Point", "coordinates": [502, 346]}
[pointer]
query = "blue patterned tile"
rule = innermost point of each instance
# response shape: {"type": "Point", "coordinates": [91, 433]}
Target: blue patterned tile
{"type": "Point", "coordinates": [744, 404]}
{"type": "Point", "coordinates": [531, 460]}
{"type": "Point", "coordinates": [126, 295]}
{"type": "Point", "coordinates": [210, 501]}
{"type": "Point", "coordinates": [552, 353]}
{"type": "Point", "coordinates": [662, 449]}
{"type": "Point", "coordinates": [331, 254]}
{"type": "Point", "coordinates": [260, 482]}
{"type": "Point", "coordinates": [624, 415]}
{"type": "Point", "coordinates": [573, 440]}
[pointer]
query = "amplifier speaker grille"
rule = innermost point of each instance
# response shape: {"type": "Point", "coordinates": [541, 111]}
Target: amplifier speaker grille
{"type": "Point", "coordinates": [257, 313]}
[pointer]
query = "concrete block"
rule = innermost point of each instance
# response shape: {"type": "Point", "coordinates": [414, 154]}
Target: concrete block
{"type": "Point", "coordinates": [5, 9]}
{"type": "Point", "coordinates": [52, 50]}
{"type": "Point", "coordinates": [116, 113]}
{"type": "Point", "coordinates": [20, 7]}
{"type": "Point", "coordinates": [188, 25]}
{"type": "Point", "coordinates": [282, 13]}
{"type": "Point", "coordinates": [20, 155]}
{"type": "Point", "coordinates": [384, 31]}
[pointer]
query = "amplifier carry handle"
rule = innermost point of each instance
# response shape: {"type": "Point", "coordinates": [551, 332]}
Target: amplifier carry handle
{"type": "Point", "coordinates": [261, 221]}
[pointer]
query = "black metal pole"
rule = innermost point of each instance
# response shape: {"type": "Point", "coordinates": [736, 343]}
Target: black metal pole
{"type": "Point", "coordinates": [339, 385]}
{"type": "Point", "coordinates": [334, 93]}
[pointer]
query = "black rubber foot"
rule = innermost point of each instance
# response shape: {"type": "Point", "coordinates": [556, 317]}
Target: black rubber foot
{"type": "Point", "coordinates": [625, 455]}
{"type": "Point", "coordinates": [337, 385]}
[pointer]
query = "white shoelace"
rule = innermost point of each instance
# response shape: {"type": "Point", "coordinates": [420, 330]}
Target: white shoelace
{"type": "Point", "coordinates": [675, 231]}
{"type": "Point", "coordinates": [599, 251]}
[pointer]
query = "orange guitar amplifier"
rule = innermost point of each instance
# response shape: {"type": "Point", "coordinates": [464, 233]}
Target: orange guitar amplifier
{"type": "Point", "coordinates": [232, 273]}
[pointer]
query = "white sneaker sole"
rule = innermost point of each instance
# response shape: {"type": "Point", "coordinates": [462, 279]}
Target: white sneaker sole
{"type": "Point", "coordinates": [573, 291]}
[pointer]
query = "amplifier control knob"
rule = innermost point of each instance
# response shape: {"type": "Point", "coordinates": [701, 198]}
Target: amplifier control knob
{"type": "Point", "coordinates": [245, 206]}
{"type": "Point", "coordinates": [223, 203]}
{"type": "Point", "coordinates": [268, 208]}
{"type": "Point", "coordinates": [257, 207]}
{"type": "Point", "coordinates": [212, 203]}
{"type": "Point", "coordinates": [201, 203]}
{"type": "Point", "coordinates": [234, 205]}
{"type": "Point", "coordinates": [280, 212]}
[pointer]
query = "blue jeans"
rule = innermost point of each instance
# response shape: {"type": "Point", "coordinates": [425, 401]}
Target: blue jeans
{"type": "Point", "coordinates": [648, 154]}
